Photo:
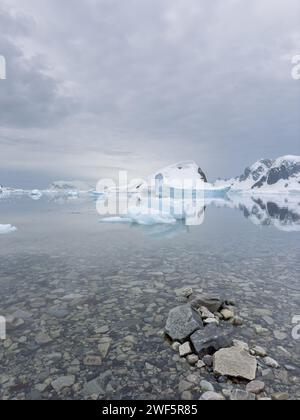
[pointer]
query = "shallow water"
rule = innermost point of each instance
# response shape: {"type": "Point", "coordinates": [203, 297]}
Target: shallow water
{"type": "Point", "coordinates": [76, 284]}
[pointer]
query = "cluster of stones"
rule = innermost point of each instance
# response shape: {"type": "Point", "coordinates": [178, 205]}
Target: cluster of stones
{"type": "Point", "coordinates": [203, 332]}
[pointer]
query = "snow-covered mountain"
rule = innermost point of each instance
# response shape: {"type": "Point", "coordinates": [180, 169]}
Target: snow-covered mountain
{"type": "Point", "coordinates": [281, 175]}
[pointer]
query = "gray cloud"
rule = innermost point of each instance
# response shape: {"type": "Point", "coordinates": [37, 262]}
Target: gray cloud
{"type": "Point", "coordinates": [139, 84]}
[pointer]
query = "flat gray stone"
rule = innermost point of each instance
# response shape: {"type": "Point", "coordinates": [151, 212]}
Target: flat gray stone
{"type": "Point", "coordinates": [213, 304]}
{"type": "Point", "coordinates": [192, 359]}
{"type": "Point", "coordinates": [255, 387]}
{"type": "Point", "coordinates": [206, 386]}
{"type": "Point", "coordinates": [92, 361]}
{"type": "Point", "coordinates": [63, 382]}
{"type": "Point", "coordinates": [93, 387]}
{"type": "Point", "coordinates": [240, 395]}
{"type": "Point", "coordinates": [235, 362]}
{"type": "Point", "coordinates": [260, 351]}
{"type": "Point", "coordinates": [212, 396]}
{"type": "Point", "coordinates": [210, 339]}
{"type": "Point", "coordinates": [268, 361]}
{"type": "Point", "coordinates": [43, 338]}
{"type": "Point", "coordinates": [182, 322]}
{"type": "Point", "coordinates": [185, 349]}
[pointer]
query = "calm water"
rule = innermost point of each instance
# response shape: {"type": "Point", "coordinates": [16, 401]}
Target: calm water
{"type": "Point", "coordinates": [80, 288]}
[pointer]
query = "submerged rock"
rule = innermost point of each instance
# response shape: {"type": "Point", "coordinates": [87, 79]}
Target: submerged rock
{"type": "Point", "coordinates": [206, 386]}
{"type": "Point", "coordinates": [240, 395]}
{"type": "Point", "coordinates": [210, 340]}
{"type": "Point", "coordinates": [212, 396]}
{"type": "Point", "coordinates": [235, 362]}
{"type": "Point", "coordinates": [227, 314]}
{"type": "Point", "coordinates": [255, 387]}
{"type": "Point", "coordinates": [185, 349]}
{"type": "Point", "coordinates": [92, 361]}
{"type": "Point", "coordinates": [268, 361]}
{"type": "Point", "coordinates": [212, 304]}
{"type": "Point", "coordinates": [182, 322]}
{"type": "Point", "coordinates": [192, 359]}
{"type": "Point", "coordinates": [94, 387]}
{"type": "Point", "coordinates": [63, 382]}
{"type": "Point", "coordinates": [259, 351]}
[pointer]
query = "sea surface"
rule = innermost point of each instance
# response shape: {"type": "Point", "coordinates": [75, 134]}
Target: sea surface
{"type": "Point", "coordinates": [86, 302]}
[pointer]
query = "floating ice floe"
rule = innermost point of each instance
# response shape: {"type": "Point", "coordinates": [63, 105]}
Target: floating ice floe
{"type": "Point", "coordinates": [4, 229]}
{"type": "Point", "coordinates": [35, 194]}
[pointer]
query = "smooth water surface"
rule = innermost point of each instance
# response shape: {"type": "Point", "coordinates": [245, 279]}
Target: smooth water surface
{"type": "Point", "coordinates": [90, 299]}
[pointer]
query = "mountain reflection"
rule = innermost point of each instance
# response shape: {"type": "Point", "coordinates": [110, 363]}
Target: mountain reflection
{"type": "Point", "coordinates": [282, 213]}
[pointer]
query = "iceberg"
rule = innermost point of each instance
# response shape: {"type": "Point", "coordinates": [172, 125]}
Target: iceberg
{"type": "Point", "coordinates": [4, 229]}
{"type": "Point", "coordinates": [178, 181]}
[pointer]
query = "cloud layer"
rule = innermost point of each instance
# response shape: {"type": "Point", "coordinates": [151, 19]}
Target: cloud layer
{"type": "Point", "coordinates": [110, 84]}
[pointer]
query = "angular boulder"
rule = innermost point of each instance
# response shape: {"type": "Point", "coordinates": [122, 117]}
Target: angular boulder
{"type": "Point", "coordinates": [210, 340]}
{"type": "Point", "coordinates": [182, 322]}
{"type": "Point", "coordinates": [213, 304]}
{"type": "Point", "coordinates": [236, 363]}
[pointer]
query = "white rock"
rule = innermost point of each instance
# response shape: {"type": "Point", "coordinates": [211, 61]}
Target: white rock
{"type": "Point", "coordinates": [212, 396]}
{"type": "Point", "coordinates": [235, 362]}
{"type": "Point", "coordinates": [259, 351]}
{"type": "Point", "coordinates": [271, 363]}
{"type": "Point", "coordinates": [227, 314]}
{"type": "Point", "coordinates": [185, 349]}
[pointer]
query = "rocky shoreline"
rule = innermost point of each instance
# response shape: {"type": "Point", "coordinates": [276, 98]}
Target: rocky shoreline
{"type": "Point", "coordinates": [204, 330]}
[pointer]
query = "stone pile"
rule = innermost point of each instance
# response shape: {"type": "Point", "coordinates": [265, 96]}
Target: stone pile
{"type": "Point", "coordinates": [203, 331]}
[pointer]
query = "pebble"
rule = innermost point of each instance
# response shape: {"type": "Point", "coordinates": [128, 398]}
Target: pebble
{"type": "Point", "coordinates": [280, 336]}
{"type": "Point", "coordinates": [176, 345]}
{"type": "Point", "coordinates": [185, 349]}
{"type": "Point", "coordinates": [208, 321]}
{"type": "Point", "coordinates": [240, 395]}
{"type": "Point", "coordinates": [281, 396]}
{"type": "Point", "coordinates": [206, 386]}
{"type": "Point", "coordinates": [184, 386]}
{"type": "Point", "coordinates": [255, 387]}
{"type": "Point", "coordinates": [208, 360]}
{"type": "Point", "coordinates": [187, 396]}
{"type": "Point", "coordinates": [238, 321]}
{"type": "Point", "coordinates": [259, 351]}
{"type": "Point", "coordinates": [43, 338]}
{"type": "Point", "coordinates": [268, 320]}
{"type": "Point", "coordinates": [192, 359]}
{"type": "Point", "coordinates": [227, 314]}
{"type": "Point", "coordinates": [268, 361]}
{"type": "Point", "coordinates": [205, 313]}
{"type": "Point", "coordinates": [212, 396]}
{"type": "Point", "coordinates": [63, 382]}
{"type": "Point", "coordinates": [194, 379]}
{"type": "Point", "coordinates": [200, 364]}
{"type": "Point", "coordinates": [241, 344]}
{"type": "Point", "coordinates": [92, 361]}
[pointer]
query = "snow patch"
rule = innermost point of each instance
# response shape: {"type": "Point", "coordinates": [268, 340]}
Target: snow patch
{"type": "Point", "coordinates": [4, 229]}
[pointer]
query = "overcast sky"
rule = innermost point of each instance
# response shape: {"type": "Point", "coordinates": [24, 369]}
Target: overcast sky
{"type": "Point", "coordinates": [94, 86]}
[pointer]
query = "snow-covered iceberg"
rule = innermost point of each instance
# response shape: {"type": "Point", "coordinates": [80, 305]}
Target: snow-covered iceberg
{"type": "Point", "coordinates": [4, 229]}
{"type": "Point", "coordinates": [183, 179]}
